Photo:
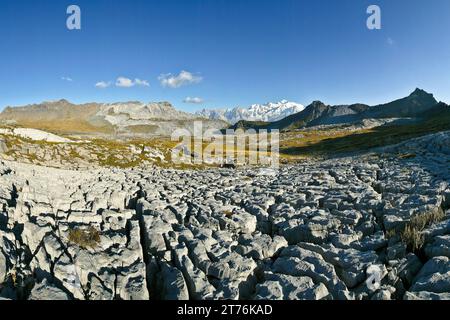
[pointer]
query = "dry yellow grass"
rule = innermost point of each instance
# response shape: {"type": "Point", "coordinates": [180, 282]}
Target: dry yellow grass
{"type": "Point", "coordinates": [143, 129]}
{"type": "Point", "coordinates": [407, 156]}
{"type": "Point", "coordinates": [331, 142]}
{"type": "Point", "coordinates": [66, 126]}
{"type": "Point", "coordinates": [228, 213]}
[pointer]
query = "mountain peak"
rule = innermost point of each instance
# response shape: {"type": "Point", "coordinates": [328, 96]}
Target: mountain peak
{"type": "Point", "coordinates": [60, 101]}
{"type": "Point", "coordinates": [422, 97]}
{"type": "Point", "coordinates": [420, 92]}
{"type": "Point", "coordinates": [317, 103]}
{"type": "Point", "coordinates": [416, 103]}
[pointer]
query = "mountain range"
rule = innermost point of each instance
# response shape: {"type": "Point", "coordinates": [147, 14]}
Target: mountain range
{"type": "Point", "coordinates": [123, 119]}
{"type": "Point", "coordinates": [268, 112]}
{"type": "Point", "coordinates": [161, 118]}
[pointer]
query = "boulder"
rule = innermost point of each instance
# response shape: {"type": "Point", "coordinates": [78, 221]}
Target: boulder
{"type": "Point", "coordinates": [47, 291]}
{"type": "Point", "coordinates": [285, 287]}
{"type": "Point", "coordinates": [440, 246]}
{"type": "Point", "coordinates": [3, 267]}
{"type": "Point", "coordinates": [433, 277]}
{"type": "Point", "coordinates": [171, 283]}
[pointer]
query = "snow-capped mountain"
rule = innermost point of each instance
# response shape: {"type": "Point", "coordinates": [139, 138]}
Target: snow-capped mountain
{"type": "Point", "coordinates": [269, 112]}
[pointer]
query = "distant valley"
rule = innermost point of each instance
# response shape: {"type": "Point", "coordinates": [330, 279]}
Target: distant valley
{"type": "Point", "coordinates": [128, 134]}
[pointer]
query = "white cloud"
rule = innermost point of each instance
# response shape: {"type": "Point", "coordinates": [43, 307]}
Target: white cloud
{"type": "Point", "coordinates": [194, 100]}
{"type": "Point", "coordinates": [142, 83]}
{"type": "Point", "coordinates": [176, 81]}
{"type": "Point", "coordinates": [123, 82]}
{"type": "Point", "coordinates": [67, 79]}
{"type": "Point", "coordinates": [390, 41]}
{"type": "Point", "coordinates": [102, 84]}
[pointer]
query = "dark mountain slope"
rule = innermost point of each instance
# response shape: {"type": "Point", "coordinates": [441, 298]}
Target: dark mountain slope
{"type": "Point", "coordinates": [318, 113]}
{"type": "Point", "coordinates": [413, 105]}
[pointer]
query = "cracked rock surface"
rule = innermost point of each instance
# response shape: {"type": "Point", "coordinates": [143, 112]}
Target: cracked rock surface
{"type": "Point", "coordinates": [309, 232]}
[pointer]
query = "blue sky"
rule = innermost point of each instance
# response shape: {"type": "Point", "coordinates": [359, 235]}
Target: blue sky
{"type": "Point", "coordinates": [233, 52]}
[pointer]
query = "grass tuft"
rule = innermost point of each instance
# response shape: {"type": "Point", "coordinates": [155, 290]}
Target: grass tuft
{"type": "Point", "coordinates": [412, 234]}
{"type": "Point", "coordinates": [89, 238]}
